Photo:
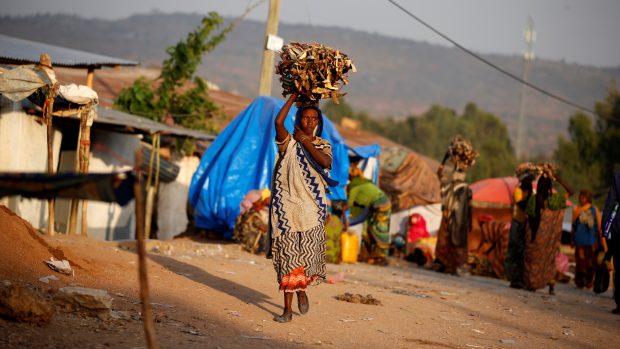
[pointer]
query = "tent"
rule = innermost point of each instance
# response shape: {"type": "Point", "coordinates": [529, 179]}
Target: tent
{"type": "Point", "coordinates": [494, 192]}
{"type": "Point", "coordinates": [408, 179]}
{"type": "Point", "coordinates": [242, 158]}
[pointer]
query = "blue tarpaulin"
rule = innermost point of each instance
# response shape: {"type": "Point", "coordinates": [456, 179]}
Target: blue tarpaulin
{"type": "Point", "coordinates": [242, 158]}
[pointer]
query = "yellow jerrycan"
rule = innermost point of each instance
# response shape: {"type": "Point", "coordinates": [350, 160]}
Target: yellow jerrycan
{"type": "Point", "coordinates": [349, 247]}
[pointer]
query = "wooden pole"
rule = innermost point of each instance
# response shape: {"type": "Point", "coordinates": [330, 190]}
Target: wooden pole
{"type": "Point", "coordinates": [48, 108]}
{"type": "Point", "coordinates": [152, 185]}
{"type": "Point", "coordinates": [77, 166]}
{"type": "Point", "coordinates": [90, 74]}
{"type": "Point", "coordinates": [266, 72]}
{"type": "Point", "coordinates": [147, 313]}
{"type": "Point", "coordinates": [85, 147]}
{"type": "Point", "coordinates": [82, 160]}
{"type": "Point", "coordinates": [85, 162]}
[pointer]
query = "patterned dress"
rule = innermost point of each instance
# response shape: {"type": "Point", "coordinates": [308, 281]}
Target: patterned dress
{"type": "Point", "coordinates": [451, 250]}
{"type": "Point", "coordinates": [542, 247]}
{"type": "Point", "coordinates": [297, 219]}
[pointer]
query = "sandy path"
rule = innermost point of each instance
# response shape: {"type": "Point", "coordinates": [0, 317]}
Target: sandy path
{"type": "Point", "coordinates": [211, 295]}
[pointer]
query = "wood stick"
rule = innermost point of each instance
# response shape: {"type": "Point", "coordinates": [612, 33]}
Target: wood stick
{"type": "Point", "coordinates": [46, 61]}
{"type": "Point", "coordinates": [50, 162]}
{"type": "Point", "coordinates": [147, 313]}
{"type": "Point", "coordinates": [85, 162]}
{"type": "Point", "coordinates": [77, 168]}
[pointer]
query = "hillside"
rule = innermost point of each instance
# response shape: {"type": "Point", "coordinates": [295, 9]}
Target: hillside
{"type": "Point", "coordinates": [397, 77]}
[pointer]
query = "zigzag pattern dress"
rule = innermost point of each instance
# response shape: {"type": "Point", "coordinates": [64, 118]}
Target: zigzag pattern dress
{"type": "Point", "coordinates": [298, 212]}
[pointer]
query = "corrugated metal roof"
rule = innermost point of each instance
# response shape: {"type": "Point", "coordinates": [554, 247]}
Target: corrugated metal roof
{"type": "Point", "coordinates": [20, 51]}
{"type": "Point", "coordinates": [132, 123]}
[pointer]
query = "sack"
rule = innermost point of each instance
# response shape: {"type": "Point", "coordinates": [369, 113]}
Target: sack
{"type": "Point", "coordinates": [601, 279]}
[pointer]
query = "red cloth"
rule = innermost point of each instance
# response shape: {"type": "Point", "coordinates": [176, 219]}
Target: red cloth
{"type": "Point", "coordinates": [417, 228]}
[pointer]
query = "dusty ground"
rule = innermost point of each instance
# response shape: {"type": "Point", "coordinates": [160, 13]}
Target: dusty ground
{"type": "Point", "coordinates": [213, 295]}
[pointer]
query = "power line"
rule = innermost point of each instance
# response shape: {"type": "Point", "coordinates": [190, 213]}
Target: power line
{"type": "Point", "coordinates": [494, 66]}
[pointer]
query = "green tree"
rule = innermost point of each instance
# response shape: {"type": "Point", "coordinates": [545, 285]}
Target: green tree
{"type": "Point", "coordinates": [576, 155]}
{"type": "Point", "coordinates": [608, 128]}
{"type": "Point", "coordinates": [589, 157]}
{"type": "Point", "coordinates": [179, 93]}
{"type": "Point", "coordinates": [430, 134]}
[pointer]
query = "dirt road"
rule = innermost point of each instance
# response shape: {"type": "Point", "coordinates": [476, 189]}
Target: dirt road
{"type": "Point", "coordinates": [213, 295]}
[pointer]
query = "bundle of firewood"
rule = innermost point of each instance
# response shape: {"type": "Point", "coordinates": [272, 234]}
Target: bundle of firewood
{"type": "Point", "coordinates": [549, 170]}
{"type": "Point", "coordinates": [545, 169]}
{"type": "Point", "coordinates": [462, 153]}
{"type": "Point", "coordinates": [314, 71]}
{"type": "Point", "coordinates": [529, 169]}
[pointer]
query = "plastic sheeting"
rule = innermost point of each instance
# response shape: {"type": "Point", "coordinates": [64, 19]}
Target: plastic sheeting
{"type": "Point", "coordinates": [242, 158]}
{"type": "Point", "coordinates": [78, 94]}
{"type": "Point", "coordinates": [19, 83]}
{"type": "Point", "coordinates": [408, 179]}
{"type": "Point", "coordinates": [369, 164]}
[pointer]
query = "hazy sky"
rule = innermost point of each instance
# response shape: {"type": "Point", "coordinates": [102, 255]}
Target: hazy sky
{"type": "Point", "coordinates": [578, 31]}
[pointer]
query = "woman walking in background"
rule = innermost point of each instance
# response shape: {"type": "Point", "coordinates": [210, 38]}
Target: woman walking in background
{"type": "Point", "coordinates": [513, 264]}
{"type": "Point", "coordinates": [545, 212]}
{"type": "Point", "coordinates": [585, 238]}
{"type": "Point", "coordinates": [299, 205]}
{"type": "Point", "coordinates": [451, 248]}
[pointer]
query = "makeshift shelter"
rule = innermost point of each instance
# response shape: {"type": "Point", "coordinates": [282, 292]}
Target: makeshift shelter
{"type": "Point", "coordinates": [242, 158]}
{"type": "Point", "coordinates": [494, 192]}
{"type": "Point", "coordinates": [408, 179]}
{"type": "Point", "coordinates": [114, 139]}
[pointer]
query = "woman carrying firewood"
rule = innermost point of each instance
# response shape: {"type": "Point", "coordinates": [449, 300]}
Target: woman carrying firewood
{"type": "Point", "coordinates": [299, 205]}
{"type": "Point", "coordinates": [451, 248]}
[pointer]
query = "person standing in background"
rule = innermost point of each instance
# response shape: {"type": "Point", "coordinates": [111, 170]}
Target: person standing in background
{"type": "Point", "coordinates": [585, 238]}
{"type": "Point", "coordinates": [611, 233]}
{"type": "Point", "coordinates": [513, 265]}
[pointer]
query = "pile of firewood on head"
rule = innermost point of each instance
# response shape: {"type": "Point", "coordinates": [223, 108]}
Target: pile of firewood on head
{"type": "Point", "coordinates": [545, 169]}
{"type": "Point", "coordinates": [462, 153]}
{"type": "Point", "coordinates": [549, 170]}
{"type": "Point", "coordinates": [314, 71]}
{"type": "Point", "coordinates": [527, 168]}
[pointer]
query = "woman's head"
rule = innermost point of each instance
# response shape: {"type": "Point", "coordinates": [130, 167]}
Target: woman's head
{"type": "Point", "coordinates": [585, 197]}
{"type": "Point", "coordinates": [310, 120]}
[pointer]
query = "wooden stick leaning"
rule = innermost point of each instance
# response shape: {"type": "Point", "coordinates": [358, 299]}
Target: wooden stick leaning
{"type": "Point", "coordinates": [48, 108]}
{"type": "Point", "coordinates": [147, 312]}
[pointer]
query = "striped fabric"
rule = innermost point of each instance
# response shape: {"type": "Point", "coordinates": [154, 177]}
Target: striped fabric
{"type": "Point", "coordinates": [298, 199]}
{"type": "Point", "coordinates": [299, 258]}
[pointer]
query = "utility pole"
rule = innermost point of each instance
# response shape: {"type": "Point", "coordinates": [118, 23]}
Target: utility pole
{"type": "Point", "coordinates": [266, 71]}
{"type": "Point", "coordinates": [528, 57]}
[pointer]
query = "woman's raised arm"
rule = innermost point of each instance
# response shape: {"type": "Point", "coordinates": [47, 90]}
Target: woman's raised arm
{"type": "Point", "coordinates": [281, 132]}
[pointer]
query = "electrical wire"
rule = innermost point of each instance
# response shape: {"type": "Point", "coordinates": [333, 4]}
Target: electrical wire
{"type": "Point", "coordinates": [494, 66]}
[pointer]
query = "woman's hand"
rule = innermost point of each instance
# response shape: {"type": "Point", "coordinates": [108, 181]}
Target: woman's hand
{"type": "Point", "coordinates": [300, 136]}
